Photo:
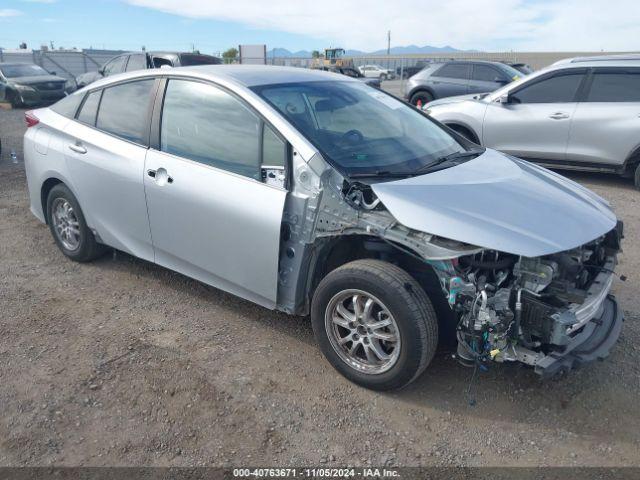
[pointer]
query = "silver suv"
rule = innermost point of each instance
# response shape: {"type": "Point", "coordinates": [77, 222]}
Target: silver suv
{"type": "Point", "coordinates": [581, 113]}
{"type": "Point", "coordinates": [315, 194]}
{"type": "Point", "coordinates": [457, 77]}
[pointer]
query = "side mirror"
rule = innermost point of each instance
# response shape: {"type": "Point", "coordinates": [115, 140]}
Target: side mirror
{"type": "Point", "coordinates": [53, 72]}
{"type": "Point", "coordinates": [101, 71]}
{"type": "Point", "coordinates": [501, 81]}
{"type": "Point", "coordinates": [504, 99]}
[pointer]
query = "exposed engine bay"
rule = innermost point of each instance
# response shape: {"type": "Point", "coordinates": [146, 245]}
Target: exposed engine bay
{"type": "Point", "coordinates": [552, 312]}
{"type": "Point", "coordinates": [523, 309]}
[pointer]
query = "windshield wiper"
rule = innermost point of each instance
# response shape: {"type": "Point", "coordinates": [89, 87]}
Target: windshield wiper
{"type": "Point", "coordinates": [381, 173]}
{"type": "Point", "coordinates": [450, 157]}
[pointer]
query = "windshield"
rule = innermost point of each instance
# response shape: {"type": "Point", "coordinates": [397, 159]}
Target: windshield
{"type": "Point", "coordinates": [360, 129]}
{"type": "Point", "coordinates": [22, 70]}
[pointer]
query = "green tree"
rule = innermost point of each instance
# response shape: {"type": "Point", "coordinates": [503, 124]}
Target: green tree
{"type": "Point", "coordinates": [315, 54]}
{"type": "Point", "coordinates": [230, 55]}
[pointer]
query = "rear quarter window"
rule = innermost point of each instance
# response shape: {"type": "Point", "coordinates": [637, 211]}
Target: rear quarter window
{"type": "Point", "coordinates": [68, 106]}
{"type": "Point", "coordinates": [89, 108]}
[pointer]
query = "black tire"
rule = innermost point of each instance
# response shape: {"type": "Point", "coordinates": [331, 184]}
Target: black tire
{"type": "Point", "coordinates": [88, 248]}
{"type": "Point", "coordinates": [423, 96]}
{"type": "Point", "coordinates": [405, 300]}
{"type": "Point", "coordinates": [383, 77]}
{"type": "Point", "coordinates": [14, 100]}
{"type": "Point", "coordinates": [636, 177]}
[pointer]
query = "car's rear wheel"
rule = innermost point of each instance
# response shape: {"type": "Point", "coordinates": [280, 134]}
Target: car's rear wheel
{"type": "Point", "coordinates": [68, 226]}
{"type": "Point", "coordinates": [636, 177]}
{"type": "Point", "coordinates": [422, 97]}
{"type": "Point", "coordinates": [383, 77]}
{"type": "Point", "coordinates": [375, 324]}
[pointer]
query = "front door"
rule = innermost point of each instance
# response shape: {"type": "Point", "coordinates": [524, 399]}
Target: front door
{"type": "Point", "coordinates": [535, 123]}
{"type": "Point", "coordinates": [212, 217]}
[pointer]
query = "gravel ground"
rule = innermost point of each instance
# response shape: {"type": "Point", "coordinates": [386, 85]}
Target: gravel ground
{"type": "Point", "coordinates": [121, 362]}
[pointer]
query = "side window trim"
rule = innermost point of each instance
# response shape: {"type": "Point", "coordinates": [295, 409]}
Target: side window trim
{"type": "Point", "coordinates": [559, 73]}
{"type": "Point", "coordinates": [156, 124]}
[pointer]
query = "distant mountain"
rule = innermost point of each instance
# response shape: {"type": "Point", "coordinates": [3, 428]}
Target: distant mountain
{"type": "Point", "coordinates": [408, 50]}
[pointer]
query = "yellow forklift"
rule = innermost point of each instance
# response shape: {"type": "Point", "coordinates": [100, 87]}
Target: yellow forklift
{"type": "Point", "coordinates": [333, 57]}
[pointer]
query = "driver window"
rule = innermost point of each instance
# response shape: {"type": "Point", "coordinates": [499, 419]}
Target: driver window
{"type": "Point", "coordinates": [558, 89]}
{"type": "Point", "coordinates": [206, 124]}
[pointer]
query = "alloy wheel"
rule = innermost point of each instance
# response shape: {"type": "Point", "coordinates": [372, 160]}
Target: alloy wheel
{"type": "Point", "coordinates": [362, 331]}
{"type": "Point", "coordinates": [66, 224]}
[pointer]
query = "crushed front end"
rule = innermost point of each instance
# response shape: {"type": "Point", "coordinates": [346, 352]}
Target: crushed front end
{"type": "Point", "coordinates": [553, 312]}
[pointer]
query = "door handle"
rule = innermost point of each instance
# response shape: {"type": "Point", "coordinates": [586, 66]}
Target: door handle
{"type": "Point", "coordinates": [160, 175]}
{"type": "Point", "coordinates": [78, 148]}
{"type": "Point", "coordinates": [559, 115]}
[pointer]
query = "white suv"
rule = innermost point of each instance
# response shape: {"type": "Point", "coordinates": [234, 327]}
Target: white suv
{"type": "Point", "coordinates": [580, 113]}
{"type": "Point", "coordinates": [376, 71]}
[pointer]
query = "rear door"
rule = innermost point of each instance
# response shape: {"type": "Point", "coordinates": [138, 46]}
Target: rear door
{"type": "Point", "coordinates": [535, 123]}
{"type": "Point", "coordinates": [213, 216]}
{"type": "Point", "coordinates": [606, 123]}
{"type": "Point", "coordinates": [105, 151]}
{"type": "Point", "coordinates": [450, 79]}
{"type": "Point", "coordinates": [486, 78]}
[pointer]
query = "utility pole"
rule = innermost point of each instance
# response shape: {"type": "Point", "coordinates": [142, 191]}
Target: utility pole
{"type": "Point", "coordinates": [388, 42]}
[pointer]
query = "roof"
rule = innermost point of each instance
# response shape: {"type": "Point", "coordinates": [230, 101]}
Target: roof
{"type": "Point", "coordinates": [242, 75]}
{"type": "Point", "coordinates": [632, 59]}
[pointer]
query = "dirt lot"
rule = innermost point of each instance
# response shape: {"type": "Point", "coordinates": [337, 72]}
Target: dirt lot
{"type": "Point", "coordinates": [121, 362]}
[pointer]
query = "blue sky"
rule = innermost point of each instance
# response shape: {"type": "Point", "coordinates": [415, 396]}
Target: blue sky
{"type": "Point", "coordinates": [117, 25]}
{"type": "Point", "coordinates": [214, 25]}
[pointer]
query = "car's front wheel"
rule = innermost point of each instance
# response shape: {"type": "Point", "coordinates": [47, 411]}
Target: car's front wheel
{"type": "Point", "coordinates": [375, 324]}
{"type": "Point", "coordinates": [636, 177]}
{"type": "Point", "coordinates": [68, 226]}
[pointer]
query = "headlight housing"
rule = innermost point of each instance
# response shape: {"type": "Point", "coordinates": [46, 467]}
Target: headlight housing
{"type": "Point", "coordinates": [24, 88]}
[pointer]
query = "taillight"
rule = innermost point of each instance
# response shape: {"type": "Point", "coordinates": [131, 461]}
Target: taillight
{"type": "Point", "coordinates": [30, 119]}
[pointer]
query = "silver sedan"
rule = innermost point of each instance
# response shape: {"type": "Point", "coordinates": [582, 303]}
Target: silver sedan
{"type": "Point", "coordinates": [314, 194]}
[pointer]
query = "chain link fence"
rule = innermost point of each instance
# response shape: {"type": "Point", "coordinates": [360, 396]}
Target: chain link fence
{"type": "Point", "coordinates": [71, 63]}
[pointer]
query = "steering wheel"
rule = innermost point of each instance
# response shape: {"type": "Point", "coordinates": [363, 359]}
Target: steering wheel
{"type": "Point", "coordinates": [352, 136]}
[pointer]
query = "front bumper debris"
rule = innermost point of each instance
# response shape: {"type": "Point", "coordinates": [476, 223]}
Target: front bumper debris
{"type": "Point", "coordinates": [594, 342]}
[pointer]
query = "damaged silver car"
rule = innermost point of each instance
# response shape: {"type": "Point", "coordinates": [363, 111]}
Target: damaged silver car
{"type": "Point", "coordinates": [313, 194]}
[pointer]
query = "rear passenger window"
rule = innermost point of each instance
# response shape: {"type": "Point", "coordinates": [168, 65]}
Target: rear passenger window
{"type": "Point", "coordinates": [89, 108]}
{"type": "Point", "coordinates": [124, 109]}
{"type": "Point", "coordinates": [208, 125]}
{"type": "Point", "coordinates": [68, 106]}
{"type": "Point", "coordinates": [454, 70]}
{"type": "Point", "coordinates": [559, 89]}
{"type": "Point", "coordinates": [615, 87]}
